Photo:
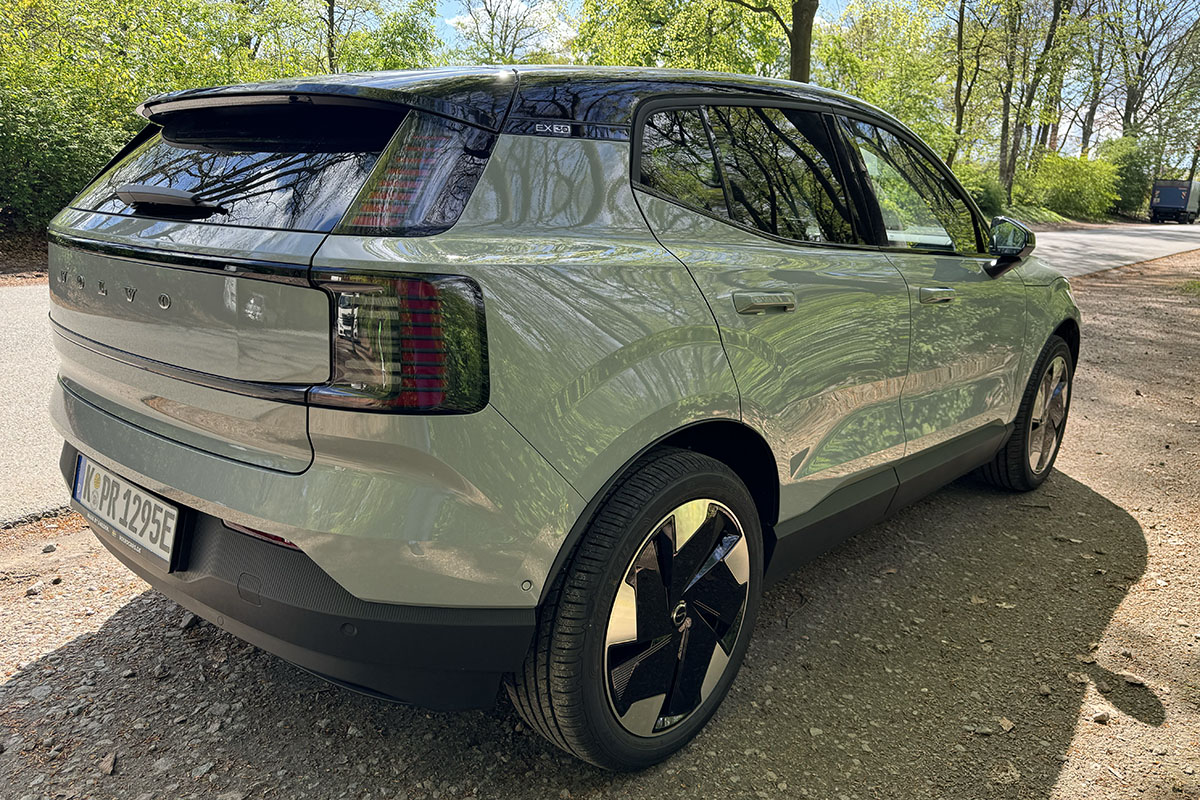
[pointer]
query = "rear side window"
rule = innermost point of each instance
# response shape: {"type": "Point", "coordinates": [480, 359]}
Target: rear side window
{"type": "Point", "coordinates": [299, 167]}
{"type": "Point", "coordinates": [677, 161]}
{"type": "Point", "coordinates": [778, 165]}
{"type": "Point", "coordinates": [918, 206]}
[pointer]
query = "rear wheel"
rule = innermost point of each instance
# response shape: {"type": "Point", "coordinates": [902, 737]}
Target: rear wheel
{"type": "Point", "coordinates": [645, 629]}
{"type": "Point", "coordinates": [1025, 461]}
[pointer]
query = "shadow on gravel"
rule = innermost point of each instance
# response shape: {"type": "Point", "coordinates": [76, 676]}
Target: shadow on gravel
{"type": "Point", "coordinates": [945, 653]}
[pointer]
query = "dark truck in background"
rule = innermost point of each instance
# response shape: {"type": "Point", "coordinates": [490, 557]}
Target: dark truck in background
{"type": "Point", "coordinates": [1175, 200]}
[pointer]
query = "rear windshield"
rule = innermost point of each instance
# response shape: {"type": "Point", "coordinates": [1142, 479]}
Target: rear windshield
{"type": "Point", "coordinates": [282, 167]}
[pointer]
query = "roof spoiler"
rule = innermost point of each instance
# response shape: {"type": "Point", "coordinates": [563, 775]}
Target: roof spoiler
{"type": "Point", "coordinates": [482, 100]}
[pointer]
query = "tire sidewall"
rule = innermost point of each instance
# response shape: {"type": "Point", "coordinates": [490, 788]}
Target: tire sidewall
{"type": "Point", "coordinates": [625, 749]}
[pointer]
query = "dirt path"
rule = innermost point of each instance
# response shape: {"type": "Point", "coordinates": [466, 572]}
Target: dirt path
{"type": "Point", "coordinates": [978, 645]}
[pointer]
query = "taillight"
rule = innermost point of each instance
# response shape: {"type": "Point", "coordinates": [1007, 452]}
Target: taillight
{"type": "Point", "coordinates": [405, 342]}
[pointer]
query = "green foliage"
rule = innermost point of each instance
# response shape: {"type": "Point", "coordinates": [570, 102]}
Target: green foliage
{"type": "Point", "coordinates": [890, 54]}
{"type": "Point", "coordinates": [1135, 172]}
{"type": "Point", "coordinates": [404, 39]}
{"type": "Point", "coordinates": [689, 34]}
{"type": "Point", "coordinates": [49, 149]}
{"type": "Point", "coordinates": [981, 181]}
{"type": "Point", "coordinates": [1074, 187]}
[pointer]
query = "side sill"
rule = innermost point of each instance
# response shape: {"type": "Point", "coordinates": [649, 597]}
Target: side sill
{"type": "Point", "coordinates": [871, 499]}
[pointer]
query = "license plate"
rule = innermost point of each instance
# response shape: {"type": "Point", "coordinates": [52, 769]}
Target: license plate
{"type": "Point", "coordinates": [137, 518]}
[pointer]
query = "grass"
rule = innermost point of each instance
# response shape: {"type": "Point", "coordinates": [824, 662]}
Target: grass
{"type": "Point", "coordinates": [1190, 287]}
{"type": "Point", "coordinates": [1034, 214]}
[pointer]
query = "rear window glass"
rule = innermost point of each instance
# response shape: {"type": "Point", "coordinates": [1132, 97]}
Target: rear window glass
{"type": "Point", "coordinates": [294, 168]}
{"type": "Point", "coordinates": [678, 161]}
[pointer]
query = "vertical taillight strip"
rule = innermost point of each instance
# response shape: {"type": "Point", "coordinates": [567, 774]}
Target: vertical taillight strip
{"type": "Point", "coordinates": [405, 343]}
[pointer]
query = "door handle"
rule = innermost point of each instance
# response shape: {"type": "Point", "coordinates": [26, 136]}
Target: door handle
{"type": "Point", "coordinates": [762, 302]}
{"type": "Point", "coordinates": [936, 294]}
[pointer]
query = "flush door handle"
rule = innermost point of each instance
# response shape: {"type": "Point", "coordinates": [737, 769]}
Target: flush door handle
{"type": "Point", "coordinates": [763, 302]}
{"type": "Point", "coordinates": [936, 294]}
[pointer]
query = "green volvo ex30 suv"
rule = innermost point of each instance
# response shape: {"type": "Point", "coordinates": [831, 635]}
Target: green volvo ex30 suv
{"type": "Point", "coordinates": [440, 381]}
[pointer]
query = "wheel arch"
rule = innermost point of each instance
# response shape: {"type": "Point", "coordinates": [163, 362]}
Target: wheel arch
{"type": "Point", "coordinates": [1068, 331]}
{"type": "Point", "coordinates": [731, 442]}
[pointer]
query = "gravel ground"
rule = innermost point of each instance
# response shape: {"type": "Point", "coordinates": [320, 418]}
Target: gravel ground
{"type": "Point", "coordinates": [978, 645]}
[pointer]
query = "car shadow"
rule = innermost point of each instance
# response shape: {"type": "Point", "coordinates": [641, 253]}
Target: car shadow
{"type": "Point", "coordinates": [946, 652]}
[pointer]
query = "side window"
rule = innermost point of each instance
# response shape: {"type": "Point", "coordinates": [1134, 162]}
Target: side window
{"type": "Point", "coordinates": [678, 161]}
{"type": "Point", "coordinates": [778, 167]}
{"type": "Point", "coordinates": [919, 208]}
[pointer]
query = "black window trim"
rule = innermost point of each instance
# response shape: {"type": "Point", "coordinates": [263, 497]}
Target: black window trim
{"type": "Point", "coordinates": [912, 140]}
{"type": "Point", "coordinates": [681, 102]}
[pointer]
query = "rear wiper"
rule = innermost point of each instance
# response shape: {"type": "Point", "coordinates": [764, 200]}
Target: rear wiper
{"type": "Point", "coordinates": [142, 194]}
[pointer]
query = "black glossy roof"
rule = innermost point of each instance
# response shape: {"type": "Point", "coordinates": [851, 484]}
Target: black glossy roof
{"type": "Point", "coordinates": [487, 96]}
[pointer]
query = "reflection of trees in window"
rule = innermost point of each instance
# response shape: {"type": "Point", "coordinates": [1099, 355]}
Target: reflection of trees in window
{"type": "Point", "coordinates": [300, 191]}
{"type": "Point", "coordinates": [777, 165]}
{"type": "Point", "coordinates": [677, 160]}
{"type": "Point", "coordinates": [912, 194]}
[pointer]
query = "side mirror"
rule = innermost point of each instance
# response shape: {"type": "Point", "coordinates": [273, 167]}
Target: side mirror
{"type": "Point", "coordinates": [1010, 243]}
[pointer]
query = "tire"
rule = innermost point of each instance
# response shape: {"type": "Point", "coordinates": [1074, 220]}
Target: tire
{"type": "Point", "coordinates": [616, 719]}
{"type": "Point", "coordinates": [1026, 460]}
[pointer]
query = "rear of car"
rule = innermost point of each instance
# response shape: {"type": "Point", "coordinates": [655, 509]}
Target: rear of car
{"type": "Point", "coordinates": [202, 354]}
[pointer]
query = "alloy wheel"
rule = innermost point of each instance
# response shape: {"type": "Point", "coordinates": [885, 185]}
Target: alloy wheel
{"type": "Point", "coordinates": [1049, 414]}
{"type": "Point", "coordinates": [676, 617]}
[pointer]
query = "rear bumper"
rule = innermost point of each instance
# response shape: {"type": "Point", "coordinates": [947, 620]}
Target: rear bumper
{"type": "Point", "coordinates": [280, 600]}
{"type": "Point", "coordinates": [455, 511]}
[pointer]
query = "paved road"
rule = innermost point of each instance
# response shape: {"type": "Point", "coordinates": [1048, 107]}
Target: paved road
{"type": "Point", "coordinates": [29, 447]}
{"type": "Point", "coordinates": [29, 480]}
{"type": "Point", "coordinates": [1084, 250]}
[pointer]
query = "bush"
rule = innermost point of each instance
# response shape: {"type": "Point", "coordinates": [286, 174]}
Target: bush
{"type": "Point", "coordinates": [1074, 187]}
{"type": "Point", "coordinates": [983, 185]}
{"type": "Point", "coordinates": [1135, 172]}
{"type": "Point", "coordinates": [50, 148]}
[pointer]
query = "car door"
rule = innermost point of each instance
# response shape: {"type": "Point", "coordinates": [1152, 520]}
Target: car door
{"type": "Point", "coordinates": [816, 324]}
{"type": "Point", "coordinates": [968, 328]}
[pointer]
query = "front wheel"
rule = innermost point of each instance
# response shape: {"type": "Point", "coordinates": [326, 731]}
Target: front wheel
{"type": "Point", "coordinates": [644, 632]}
{"type": "Point", "coordinates": [1025, 461]}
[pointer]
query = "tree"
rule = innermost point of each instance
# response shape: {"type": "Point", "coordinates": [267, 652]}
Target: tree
{"type": "Point", "coordinates": [692, 34]}
{"type": "Point", "coordinates": [405, 38]}
{"type": "Point", "coordinates": [511, 31]}
{"type": "Point", "coordinates": [798, 29]}
{"type": "Point", "coordinates": [973, 28]}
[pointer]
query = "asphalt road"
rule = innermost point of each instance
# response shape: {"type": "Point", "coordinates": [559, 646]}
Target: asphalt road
{"type": "Point", "coordinates": [1085, 250]}
{"type": "Point", "coordinates": [29, 447]}
{"type": "Point", "coordinates": [29, 479]}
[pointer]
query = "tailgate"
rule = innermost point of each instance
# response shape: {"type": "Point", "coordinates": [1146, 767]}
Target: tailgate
{"type": "Point", "coordinates": [179, 278]}
{"type": "Point", "coordinates": [214, 352]}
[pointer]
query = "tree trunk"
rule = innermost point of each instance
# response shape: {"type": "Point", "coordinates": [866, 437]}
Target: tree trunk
{"type": "Point", "coordinates": [800, 39]}
{"type": "Point", "coordinates": [960, 71]}
{"type": "Point", "coordinates": [1029, 93]}
{"type": "Point", "coordinates": [1089, 125]}
{"type": "Point", "coordinates": [330, 31]}
{"type": "Point", "coordinates": [1005, 122]}
{"type": "Point", "coordinates": [1195, 159]}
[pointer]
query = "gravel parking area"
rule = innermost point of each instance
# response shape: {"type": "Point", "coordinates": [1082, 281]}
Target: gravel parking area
{"type": "Point", "coordinates": [978, 645]}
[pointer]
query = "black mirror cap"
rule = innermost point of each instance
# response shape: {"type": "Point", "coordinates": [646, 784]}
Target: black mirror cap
{"type": "Point", "coordinates": [1010, 242]}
